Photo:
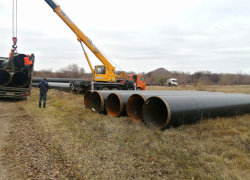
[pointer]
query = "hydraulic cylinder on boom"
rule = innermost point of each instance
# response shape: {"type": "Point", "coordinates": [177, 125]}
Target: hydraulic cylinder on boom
{"type": "Point", "coordinates": [102, 73]}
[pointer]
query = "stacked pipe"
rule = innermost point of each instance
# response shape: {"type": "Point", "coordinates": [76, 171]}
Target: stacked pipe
{"type": "Point", "coordinates": [57, 80]}
{"type": "Point", "coordinates": [13, 74]}
{"type": "Point", "coordinates": [161, 109]}
{"type": "Point", "coordinates": [5, 77]}
{"type": "Point", "coordinates": [57, 83]}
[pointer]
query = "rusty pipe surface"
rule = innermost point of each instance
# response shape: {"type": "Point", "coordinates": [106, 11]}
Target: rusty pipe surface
{"type": "Point", "coordinates": [134, 106]}
{"type": "Point", "coordinates": [86, 98]}
{"type": "Point", "coordinates": [116, 104]}
{"type": "Point", "coordinates": [97, 101]}
{"type": "Point", "coordinates": [164, 111]}
{"type": "Point", "coordinates": [5, 77]}
{"type": "Point", "coordinates": [20, 79]}
{"type": "Point", "coordinates": [135, 102]}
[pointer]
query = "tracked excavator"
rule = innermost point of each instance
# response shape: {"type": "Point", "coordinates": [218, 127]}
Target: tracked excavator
{"type": "Point", "coordinates": [104, 75]}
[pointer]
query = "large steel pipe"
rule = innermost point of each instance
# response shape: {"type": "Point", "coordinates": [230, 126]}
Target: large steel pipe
{"type": "Point", "coordinates": [61, 80]}
{"type": "Point", "coordinates": [18, 62]}
{"type": "Point", "coordinates": [134, 106]}
{"type": "Point", "coordinates": [135, 102]}
{"type": "Point", "coordinates": [164, 111]}
{"type": "Point", "coordinates": [55, 85]}
{"type": "Point", "coordinates": [5, 78]}
{"type": "Point", "coordinates": [116, 104]}
{"type": "Point", "coordinates": [156, 92]}
{"type": "Point", "coordinates": [97, 101]}
{"type": "Point", "coordinates": [86, 98]}
{"type": "Point", "coordinates": [20, 79]}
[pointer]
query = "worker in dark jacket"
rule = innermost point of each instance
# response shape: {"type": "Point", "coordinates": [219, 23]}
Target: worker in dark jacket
{"type": "Point", "coordinates": [43, 85]}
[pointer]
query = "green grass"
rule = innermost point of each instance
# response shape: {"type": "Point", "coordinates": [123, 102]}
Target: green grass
{"type": "Point", "coordinates": [95, 146]}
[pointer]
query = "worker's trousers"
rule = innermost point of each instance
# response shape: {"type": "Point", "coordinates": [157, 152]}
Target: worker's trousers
{"type": "Point", "coordinates": [42, 97]}
{"type": "Point", "coordinates": [28, 69]}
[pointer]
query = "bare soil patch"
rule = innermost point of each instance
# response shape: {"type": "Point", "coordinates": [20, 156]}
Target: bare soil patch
{"type": "Point", "coordinates": [5, 117]}
{"type": "Point", "coordinates": [30, 153]}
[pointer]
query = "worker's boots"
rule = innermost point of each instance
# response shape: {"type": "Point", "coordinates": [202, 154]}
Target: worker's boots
{"type": "Point", "coordinates": [40, 104]}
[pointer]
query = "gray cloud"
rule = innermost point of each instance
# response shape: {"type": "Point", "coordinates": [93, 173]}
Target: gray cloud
{"type": "Point", "coordinates": [214, 36]}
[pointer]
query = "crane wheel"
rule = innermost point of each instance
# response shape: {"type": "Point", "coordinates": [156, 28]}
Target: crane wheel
{"type": "Point", "coordinates": [115, 89]}
{"type": "Point", "coordinates": [138, 89]}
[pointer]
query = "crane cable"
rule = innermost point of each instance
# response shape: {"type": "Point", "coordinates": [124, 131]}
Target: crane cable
{"type": "Point", "coordinates": [109, 59]}
{"type": "Point", "coordinates": [102, 54]}
{"type": "Point", "coordinates": [14, 21]}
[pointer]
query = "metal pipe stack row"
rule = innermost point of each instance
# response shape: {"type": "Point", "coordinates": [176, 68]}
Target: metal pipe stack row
{"type": "Point", "coordinates": [57, 83]}
{"type": "Point", "coordinates": [162, 109]}
{"type": "Point", "coordinates": [16, 78]}
{"type": "Point", "coordinates": [57, 80]}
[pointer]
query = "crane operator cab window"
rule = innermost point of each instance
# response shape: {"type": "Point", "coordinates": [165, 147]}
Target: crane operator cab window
{"type": "Point", "coordinates": [100, 70]}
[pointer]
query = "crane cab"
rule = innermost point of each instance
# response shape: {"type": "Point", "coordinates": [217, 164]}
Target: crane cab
{"type": "Point", "coordinates": [102, 74]}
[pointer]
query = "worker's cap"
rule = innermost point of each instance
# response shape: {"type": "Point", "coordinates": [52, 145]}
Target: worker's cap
{"type": "Point", "coordinates": [45, 79]}
{"type": "Point", "coordinates": [12, 49]}
{"type": "Point", "coordinates": [28, 55]}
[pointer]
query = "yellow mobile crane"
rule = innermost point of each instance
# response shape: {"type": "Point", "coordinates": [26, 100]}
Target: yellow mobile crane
{"type": "Point", "coordinates": [104, 75]}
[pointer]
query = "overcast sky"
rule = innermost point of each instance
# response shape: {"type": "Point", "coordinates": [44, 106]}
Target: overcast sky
{"type": "Point", "coordinates": [137, 35]}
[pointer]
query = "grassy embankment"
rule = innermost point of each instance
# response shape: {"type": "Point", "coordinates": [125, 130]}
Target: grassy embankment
{"type": "Point", "coordinates": [82, 145]}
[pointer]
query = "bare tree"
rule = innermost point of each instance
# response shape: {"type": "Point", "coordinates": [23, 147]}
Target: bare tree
{"type": "Point", "coordinates": [82, 70]}
{"type": "Point", "coordinates": [71, 71]}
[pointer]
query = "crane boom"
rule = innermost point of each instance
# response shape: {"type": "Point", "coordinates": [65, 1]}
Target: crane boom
{"type": "Point", "coordinates": [81, 37]}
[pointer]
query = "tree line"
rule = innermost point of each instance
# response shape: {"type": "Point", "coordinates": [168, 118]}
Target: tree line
{"type": "Point", "coordinates": [70, 71]}
{"type": "Point", "coordinates": [205, 77]}
{"type": "Point", "coordinates": [184, 78]}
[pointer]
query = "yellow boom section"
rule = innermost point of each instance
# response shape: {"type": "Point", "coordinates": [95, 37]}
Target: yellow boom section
{"type": "Point", "coordinates": [82, 38]}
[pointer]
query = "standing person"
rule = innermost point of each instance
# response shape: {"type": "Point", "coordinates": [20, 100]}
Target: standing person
{"type": "Point", "coordinates": [28, 61]}
{"type": "Point", "coordinates": [43, 85]}
{"type": "Point", "coordinates": [11, 55]}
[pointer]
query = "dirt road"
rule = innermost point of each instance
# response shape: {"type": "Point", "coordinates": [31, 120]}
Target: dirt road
{"type": "Point", "coordinates": [5, 117]}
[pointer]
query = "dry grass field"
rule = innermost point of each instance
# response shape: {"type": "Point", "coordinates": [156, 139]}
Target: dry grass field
{"type": "Point", "coordinates": [66, 141]}
{"type": "Point", "coordinates": [245, 89]}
